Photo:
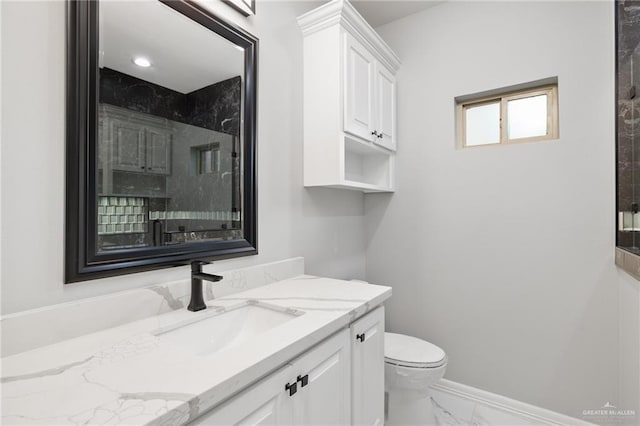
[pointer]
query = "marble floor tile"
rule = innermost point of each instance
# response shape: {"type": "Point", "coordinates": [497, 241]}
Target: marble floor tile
{"type": "Point", "coordinates": [484, 415]}
{"type": "Point", "coordinates": [450, 409]}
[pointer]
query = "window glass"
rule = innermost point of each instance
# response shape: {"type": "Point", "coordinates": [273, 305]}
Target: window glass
{"type": "Point", "coordinates": [482, 124]}
{"type": "Point", "coordinates": [527, 117]}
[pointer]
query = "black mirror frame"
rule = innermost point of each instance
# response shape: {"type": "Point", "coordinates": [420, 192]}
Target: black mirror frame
{"type": "Point", "coordinates": [82, 260]}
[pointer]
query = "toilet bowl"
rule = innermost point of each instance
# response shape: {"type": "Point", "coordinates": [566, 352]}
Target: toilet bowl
{"type": "Point", "coordinates": [411, 366]}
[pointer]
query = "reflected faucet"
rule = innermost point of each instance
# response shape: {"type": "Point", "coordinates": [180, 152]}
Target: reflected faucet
{"type": "Point", "coordinates": [197, 298]}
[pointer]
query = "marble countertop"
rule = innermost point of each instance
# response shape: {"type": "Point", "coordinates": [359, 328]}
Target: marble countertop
{"type": "Point", "coordinates": [126, 375]}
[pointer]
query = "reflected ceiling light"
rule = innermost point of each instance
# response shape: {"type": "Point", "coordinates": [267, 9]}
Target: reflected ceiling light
{"type": "Point", "coordinates": [142, 62]}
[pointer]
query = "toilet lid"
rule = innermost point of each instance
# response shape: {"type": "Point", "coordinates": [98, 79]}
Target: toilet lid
{"type": "Point", "coordinates": [410, 351]}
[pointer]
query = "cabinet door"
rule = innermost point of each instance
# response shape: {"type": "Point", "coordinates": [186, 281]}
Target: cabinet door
{"type": "Point", "coordinates": [359, 90]}
{"type": "Point", "coordinates": [158, 155]}
{"type": "Point", "coordinates": [127, 146]}
{"type": "Point", "coordinates": [265, 403]}
{"type": "Point", "coordinates": [367, 355]}
{"type": "Point", "coordinates": [385, 107]}
{"type": "Point", "coordinates": [326, 397]}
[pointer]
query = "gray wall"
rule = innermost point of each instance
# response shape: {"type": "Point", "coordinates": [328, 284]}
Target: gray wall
{"type": "Point", "coordinates": [503, 256]}
{"type": "Point", "coordinates": [629, 345]}
{"type": "Point", "coordinates": [324, 226]}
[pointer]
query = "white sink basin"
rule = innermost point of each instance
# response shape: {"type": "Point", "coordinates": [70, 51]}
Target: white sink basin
{"type": "Point", "coordinates": [220, 330]}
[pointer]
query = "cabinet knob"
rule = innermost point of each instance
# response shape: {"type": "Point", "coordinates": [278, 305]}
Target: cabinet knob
{"type": "Point", "coordinates": [304, 380]}
{"type": "Point", "coordinates": [142, 167]}
{"type": "Point", "coordinates": [360, 337]}
{"type": "Point", "coordinates": [374, 133]}
{"type": "Point", "coordinates": [380, 135]}
{"type": "Point", "coordinates": [292, 388]}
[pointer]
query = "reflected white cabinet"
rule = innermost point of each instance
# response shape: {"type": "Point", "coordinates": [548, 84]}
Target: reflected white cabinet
{"type": "Point", "coordinates": [367, 369]}
{"type": "Point", "coordinates": [127, 145]}
{"type": "Point", "coordinates": [349, 101]}
{"type": "Point", "coordinates": [158, 150]}
{"type": "Point", "coordinates": [313, 389]}
{"type": "Point", "coordinates": [134, 142]}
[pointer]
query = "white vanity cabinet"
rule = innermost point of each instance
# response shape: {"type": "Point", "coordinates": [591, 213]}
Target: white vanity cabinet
{"type": "Point", "coordinates": [313, 389]}
{"type": "Point", "coordinates": [367, 369]}
{"type": "Point", "coordinates": [264, 403]}
{"type": "Point", "coordinates": [337, 382]}
{"type": "Point", "coordinates": [349, 101]}
{"type": "Point", "coordinates": [325, 399]}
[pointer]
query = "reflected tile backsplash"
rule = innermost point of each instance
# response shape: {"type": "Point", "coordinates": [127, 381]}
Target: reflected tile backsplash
{"type": "Point", "coordinates": [122, 215]}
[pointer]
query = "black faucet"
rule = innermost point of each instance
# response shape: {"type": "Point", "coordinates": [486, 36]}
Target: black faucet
{"type": "Point", "coordinates": [197, 299]}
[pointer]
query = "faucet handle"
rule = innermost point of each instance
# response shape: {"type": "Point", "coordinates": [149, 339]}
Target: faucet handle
{"type": "Point", "coordinates": [196, 265]}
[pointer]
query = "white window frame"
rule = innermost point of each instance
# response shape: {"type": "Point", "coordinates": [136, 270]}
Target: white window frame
{"type": "Point", "coordinates": [552, 115]}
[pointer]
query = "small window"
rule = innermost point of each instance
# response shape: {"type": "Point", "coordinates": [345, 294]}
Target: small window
{"type": "Point", "coordinates": [524, 115]}
{"type": "Point", "coordinates": [206, 158]}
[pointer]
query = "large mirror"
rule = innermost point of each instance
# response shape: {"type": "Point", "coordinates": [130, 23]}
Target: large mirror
{"type": "Point", "coordinates": [161, 137]}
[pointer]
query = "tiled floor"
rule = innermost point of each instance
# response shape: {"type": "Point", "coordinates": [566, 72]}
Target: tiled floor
{"type": "Point", "coordinates": [451, 410]}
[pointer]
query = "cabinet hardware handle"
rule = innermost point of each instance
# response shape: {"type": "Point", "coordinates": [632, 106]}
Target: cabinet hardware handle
{"type": "Point", "coordinates": [380, 135]}
{"type": "Point", "coordinates": [292, 388]}
{"type": "Point", "coordinates": [142, 167]}
{"type": "Point", "coordinates": [374, 133]}
{"type": "Point", "coordinates": [149, 168]}
{"type": "Point", "coordinates": [304, 380]}
{"type": "Point", "coordinates": [360, 337]}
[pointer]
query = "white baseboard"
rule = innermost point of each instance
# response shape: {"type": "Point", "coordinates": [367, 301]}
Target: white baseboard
{"type": "Point", "coordinates": [527, 412]}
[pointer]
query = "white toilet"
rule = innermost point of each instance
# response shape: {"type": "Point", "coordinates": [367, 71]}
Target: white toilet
{"type": "Point", "coordinates": [411, 366]}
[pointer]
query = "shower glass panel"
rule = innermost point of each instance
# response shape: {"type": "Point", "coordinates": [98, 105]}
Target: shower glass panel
{"type": "Point", "coordinates": [628, 125]}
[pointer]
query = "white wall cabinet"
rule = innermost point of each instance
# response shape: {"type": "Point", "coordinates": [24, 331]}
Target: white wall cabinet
{"type": "Point", "coordinates": [349, 101]}
{"type": "Point", "coordinates": [337, 382]}
{"type": "Point", "coordinates": [370, 96]}
{"type": "Point", "coordinates": [385, 95]}
{"type": "Point", "coordinates": [367, 369]}
{"type": "Point", "coordinates": [359, 91]}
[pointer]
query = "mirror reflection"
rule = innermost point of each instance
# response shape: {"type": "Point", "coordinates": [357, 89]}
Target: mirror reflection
{"type": "Point", "coordinates": [169, 138]}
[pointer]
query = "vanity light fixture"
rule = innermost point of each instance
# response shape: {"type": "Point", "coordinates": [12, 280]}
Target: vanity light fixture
{"type": "Point", "coordinates": [142, 62]}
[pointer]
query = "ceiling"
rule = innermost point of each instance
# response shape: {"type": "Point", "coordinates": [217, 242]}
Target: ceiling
{"type": "Point", "coordinates": [184, 55]}
{"type": "Point", "coordinates": [380, 12]}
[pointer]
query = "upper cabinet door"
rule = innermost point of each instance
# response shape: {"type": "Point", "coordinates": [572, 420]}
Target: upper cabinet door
{"type": "Point", "coordinates": [385, 108]}
{"type": "Point", "coordinates": [359, 91]}
{"type": "Point", "coordinates": [367, 355]}
{"type": "Point", "coordinates": [158, 151]}
{"type": "Point", "coordinates": [128, 146]}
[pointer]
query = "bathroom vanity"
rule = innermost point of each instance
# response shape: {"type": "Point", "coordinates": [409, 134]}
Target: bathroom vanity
{"type": "Point", "coordinates": [299, 351]}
